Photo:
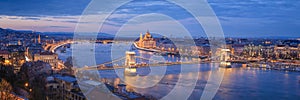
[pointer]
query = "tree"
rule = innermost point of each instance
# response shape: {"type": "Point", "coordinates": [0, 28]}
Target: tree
{"type": "Point", "coordinates": [6, 91]}
{"type": "Point", "coordinates": [35, 74]}
{"type": "Point", "coordinates": [69, 62]}
{"type": "Point", "coordinates": [2, 60]}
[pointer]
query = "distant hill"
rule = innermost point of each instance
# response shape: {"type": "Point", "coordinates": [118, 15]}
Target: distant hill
{"type": "Point", "coordinates": [71, 34]}
{"type": "Point", "coordinates": [65, 34]}
{"type": "Point", "coordinates": [16, 31]}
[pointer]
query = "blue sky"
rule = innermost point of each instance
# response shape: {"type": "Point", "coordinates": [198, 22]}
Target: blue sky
{"type": "Point", "coordinates": [253, 18]}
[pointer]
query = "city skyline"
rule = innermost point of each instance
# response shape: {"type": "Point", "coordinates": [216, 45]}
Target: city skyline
{"type": "Point", "coordinates": [149, 50]}
{"type": "Point", "coordinates": [255, 18]}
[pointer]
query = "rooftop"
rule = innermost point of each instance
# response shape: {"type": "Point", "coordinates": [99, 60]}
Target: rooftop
{"type": "Point", "coordinates": [66, 78]}
{"type": "Point", "coordinates": [91, 82]}
{"type": "Point", "coordinates": [4, 52]}
{"type": "Point", "coordinates": [46, 53]}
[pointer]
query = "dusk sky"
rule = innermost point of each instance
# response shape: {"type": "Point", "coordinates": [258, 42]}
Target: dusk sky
{"type": "Point", "coordinates": [257, 18]}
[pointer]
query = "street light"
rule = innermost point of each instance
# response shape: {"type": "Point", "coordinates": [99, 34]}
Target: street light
{"type": "Point", "coordinates": [26, 84]}
{"type": "Point", "coordinates": [7, 62]}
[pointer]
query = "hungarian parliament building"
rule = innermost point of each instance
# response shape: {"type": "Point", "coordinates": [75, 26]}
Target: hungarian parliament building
{"type": "Point", "coordinates": [147, 41]}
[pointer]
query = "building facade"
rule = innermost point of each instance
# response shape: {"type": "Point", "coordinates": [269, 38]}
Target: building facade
{"type": "Point", "coordinates": [287, 52]}
{"type": "Point", "coordinates": [48, 57]}
{"type": "Point", "coordinates": [5, 55]}
{"type": "Point", "coordinates": [63, 88]}
{"type": "Point", "coordinates": [147, 41]}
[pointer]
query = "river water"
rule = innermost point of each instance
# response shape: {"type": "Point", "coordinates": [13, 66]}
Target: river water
{"type": "Point", "coordinates": [239, 83]}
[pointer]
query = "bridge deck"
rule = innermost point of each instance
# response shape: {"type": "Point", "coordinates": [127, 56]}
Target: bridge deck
{"type": "Point", "coordinates": [139, 66]}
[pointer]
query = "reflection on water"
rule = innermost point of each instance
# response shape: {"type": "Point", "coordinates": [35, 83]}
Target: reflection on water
{"type": "Point", "coordinates": [240, 83]}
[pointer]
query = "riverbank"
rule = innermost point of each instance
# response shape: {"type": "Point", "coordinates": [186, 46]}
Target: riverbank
{"type": "Point", "coordinates": [238, 82]}
{"type": "Point", "coordinates": [277, 66]}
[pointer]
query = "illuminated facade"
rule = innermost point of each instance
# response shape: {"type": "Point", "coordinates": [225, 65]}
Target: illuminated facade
{"type": "Point", "coordinates": [39, 39]}
{"type": "Point", "coordinates": [5, 55]}
{"type": "Point", "coordinates": [147, 41]}
{"type": "Point", "coordinates": [48, 57]}
{"type": "Point", "coordinates": [287, 52]}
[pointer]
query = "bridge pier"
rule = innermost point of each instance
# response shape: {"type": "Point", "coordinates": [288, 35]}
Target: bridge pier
{"type": "Point", "coordinates": [224, 57]}
{"type": "Point", "coordinates": [130, 59]}
{"type": "Point", "coordinates": [130, 63]}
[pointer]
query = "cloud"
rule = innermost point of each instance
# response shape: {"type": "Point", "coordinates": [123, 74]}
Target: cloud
{"type": "Point", "coordinates": [255, 8]}
{"type": "Point", "coordinates": [42, 7]}
{"type": "Point", "coordinates": [258, 27]}
{"type": "Point", "coordinates": [236, 16]}
{"type": "Point", "coordinates": [71, 21]}
{"type": "Point", "coordinates": [31, 18]}
{"type": "Point", "coordinates": [59, 27]}
{"type": "Point", "coordinates": [151, 6]}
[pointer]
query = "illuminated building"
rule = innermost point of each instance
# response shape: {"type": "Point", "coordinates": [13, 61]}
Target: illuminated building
{"type": "Point", "coordinates": [147, 41]}
{"type": "Point", "coordinates": [48, 57]}
{"type": "Point", "coordinates": [39, 39]}
{"type": "Point", "coordinates": [17, 56]}
{"type": "Point", "coordinates": [5, 55]}
{"type": "Point", "coordinates": [63, 88]}
{"type": "Point", "coordinates": [252, 50]}
{"type": "Point", "coordinates": [286, 52]}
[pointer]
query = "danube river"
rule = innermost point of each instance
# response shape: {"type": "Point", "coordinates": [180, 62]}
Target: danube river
{"type": "Point", "coordinates": [239, 83]}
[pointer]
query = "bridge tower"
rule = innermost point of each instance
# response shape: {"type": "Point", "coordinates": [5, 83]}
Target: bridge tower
{"type": "Point", "coordinates": [130, 59]}
{"type": "Point", "coordinates": [19, 42]}
{"type": "Point", "coordinates": [130, 63]}
{"type": "Point", "coordinates": [224, 54]}
{"type": "Point", "coordinates": [224, 57]}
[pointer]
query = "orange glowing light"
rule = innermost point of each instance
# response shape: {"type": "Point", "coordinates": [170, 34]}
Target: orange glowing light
{"type": "Point", "coordinates": [26, 85]}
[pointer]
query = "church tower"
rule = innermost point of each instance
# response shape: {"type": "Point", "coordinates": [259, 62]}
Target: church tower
{"type": "Point", "coordinates": [34, 36]}
{"type": "Point", "coordinates": [19, 42]}
{"type": "Point", "coordinates": [39, 39]}
{"type": "Point", "coordinates": [27, 51]}
{"type": "Point", "coordinates": [141, 40]}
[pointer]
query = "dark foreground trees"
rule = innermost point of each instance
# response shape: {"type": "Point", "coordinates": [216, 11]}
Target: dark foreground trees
{"type": "Point", "coordinates": [6, 91]}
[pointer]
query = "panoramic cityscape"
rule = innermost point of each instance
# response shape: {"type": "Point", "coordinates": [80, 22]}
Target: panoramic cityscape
{"type": "Point", "coordinates": [149, 50]}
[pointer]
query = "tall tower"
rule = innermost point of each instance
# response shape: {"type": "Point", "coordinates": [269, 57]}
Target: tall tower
{"type": "Point", "coordinates": [19, 42]}
{"type": "Point", "coordinates": [34, 36]}
{"type": "Point", "coordinates": [39, 39]}
{"type": "Point", "coordinates": [141, 40]}
{"type": "Point", "coordinates": [27, 51]}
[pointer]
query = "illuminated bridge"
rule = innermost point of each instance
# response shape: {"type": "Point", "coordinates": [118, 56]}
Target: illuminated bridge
{"type": "Point", "coordinates": [139, 61]}
{"type": "Point", "coordinates": [130, 61]}
{"type": "Point", "coordinates": [119, 62]}
{"type": "Point", "coordinates": [52, 47]}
